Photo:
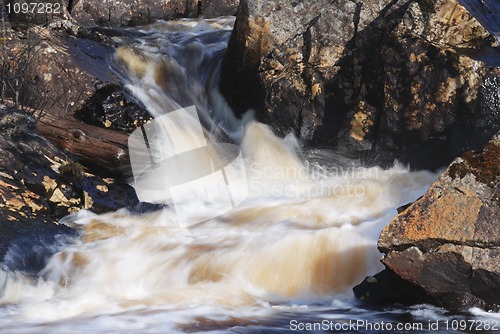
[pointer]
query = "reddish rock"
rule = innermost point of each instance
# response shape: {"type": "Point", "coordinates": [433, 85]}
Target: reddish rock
{"type": "Point", "coordinates": [448, 242]}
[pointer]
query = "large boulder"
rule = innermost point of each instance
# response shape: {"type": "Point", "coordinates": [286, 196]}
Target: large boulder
{"type": "Point", "coordinates": [447, 243]}
{"type": "Point", "coordinates": [378, 76]}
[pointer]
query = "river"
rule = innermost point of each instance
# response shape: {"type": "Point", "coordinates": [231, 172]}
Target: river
{"type": "Point", "coordinates": [300, 230]}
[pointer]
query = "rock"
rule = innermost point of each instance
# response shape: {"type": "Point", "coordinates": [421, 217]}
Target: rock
{"type": "Point", "coordinates": [377, 77]}
{"type": "Point", "coordinates": [131, 12]}
{"type": "Point", "coordinates": [481, 123]}
{"type": "Point", "coordinates": [39, 184]}
{"type": "Point", "coordinates": [110, 107]}
{"type": "Point", "coordinates": [24, 14]}
{"type": "Point", "coordinates": [448, 242]}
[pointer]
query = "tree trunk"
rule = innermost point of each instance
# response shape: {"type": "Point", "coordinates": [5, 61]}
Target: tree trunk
{"type": "Point", "coordinates": [90, 144]}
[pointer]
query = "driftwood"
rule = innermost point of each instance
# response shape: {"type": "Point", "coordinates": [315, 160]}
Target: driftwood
{"type": "Point", "coordinates": [91, 144]}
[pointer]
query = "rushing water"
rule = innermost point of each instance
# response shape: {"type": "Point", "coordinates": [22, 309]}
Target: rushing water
{"type": "Point", "coordinates": [284, 259]}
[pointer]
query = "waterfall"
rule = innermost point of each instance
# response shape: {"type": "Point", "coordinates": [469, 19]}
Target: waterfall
{"type": "Point", "coordinates": [305, 231]}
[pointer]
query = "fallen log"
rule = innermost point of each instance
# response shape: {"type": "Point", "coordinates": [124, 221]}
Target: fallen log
{"type": "Point", "coordinates": [90, 144]}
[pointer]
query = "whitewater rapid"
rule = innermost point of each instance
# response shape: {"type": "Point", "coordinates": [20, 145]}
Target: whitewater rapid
{"type": "Point", "coordinates": [305, 234]}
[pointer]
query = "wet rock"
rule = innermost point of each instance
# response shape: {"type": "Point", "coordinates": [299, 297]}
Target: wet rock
{"type": "Point", "coordinates": [448, 242]}
{"type": "Point", "coordinates": [110, 107]}
{"type": "Point", "coordinates": [432, 90]}
{"type": "Point", "coordinates": [39, 184]}
{"type": "Point", "coordinates": [387, 78]}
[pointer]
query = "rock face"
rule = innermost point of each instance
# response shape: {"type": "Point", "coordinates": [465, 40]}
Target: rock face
{"type": "Point", "coordinates": [375, 76]}
{"type": "Point", "coordinates": [448, 242]}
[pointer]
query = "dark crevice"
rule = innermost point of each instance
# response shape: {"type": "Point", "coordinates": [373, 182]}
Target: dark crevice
{"type": "Point", "coordinates": [356, 18]}
{"type": "Point", "coordinates": [70, 5]}
{"type": "Point", "coordinates": [306, 53]}
{"type": "Point", "coordinates": [200, 3]}
{"type": "Point", "coordinates": [306, 49]}
{"type": "Point", "coordinates": [308, 77]}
